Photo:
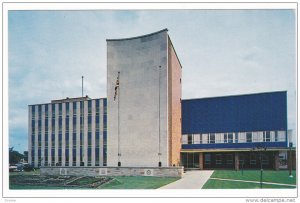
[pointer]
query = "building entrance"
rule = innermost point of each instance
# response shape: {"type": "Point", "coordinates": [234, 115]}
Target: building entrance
{"type": "Point", "coordinates": [190, 160]}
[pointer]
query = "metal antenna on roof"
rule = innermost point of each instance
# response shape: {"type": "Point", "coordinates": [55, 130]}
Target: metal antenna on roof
{"type": "Point", "coordinates": [82, 86]}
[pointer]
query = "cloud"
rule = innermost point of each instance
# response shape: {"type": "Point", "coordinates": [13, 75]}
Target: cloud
{"type": "Point", "coordinates": [223, 52]}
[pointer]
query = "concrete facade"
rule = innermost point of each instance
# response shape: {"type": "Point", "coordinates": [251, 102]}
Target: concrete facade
{"type": "Point", "coordinates": [114, 171]}
{"type": "Point", "coordinates": [140, 110]}
{"type": "Point", "coordinates": [67, 132]}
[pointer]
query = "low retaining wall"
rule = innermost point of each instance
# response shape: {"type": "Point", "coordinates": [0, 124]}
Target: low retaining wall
{"type": "Point", "coordinates": [113, 171]}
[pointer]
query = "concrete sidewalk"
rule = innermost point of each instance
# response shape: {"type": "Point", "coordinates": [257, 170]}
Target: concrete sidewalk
{"type": "Point", "coordinates": [190, 180]}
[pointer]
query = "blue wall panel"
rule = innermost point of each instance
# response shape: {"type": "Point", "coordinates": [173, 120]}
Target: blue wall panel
{"type": "Point", "coordinates": [255, 112]}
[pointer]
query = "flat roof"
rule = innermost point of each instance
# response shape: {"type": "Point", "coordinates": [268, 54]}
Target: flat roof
{"type": "Point", "coordinates": [130, 38]}
{"type": "Point", "coordinates": [67, 100]}
{"type": "Point", "coordinates": [238, 95]}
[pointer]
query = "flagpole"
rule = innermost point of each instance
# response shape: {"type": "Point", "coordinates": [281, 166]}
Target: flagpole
{"type": "Point", "coordinates": [119, 154]}
{"type": "Point", "coordinates": [159, 153]}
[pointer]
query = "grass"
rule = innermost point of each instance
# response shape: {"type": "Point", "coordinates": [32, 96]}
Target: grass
{"type": "Point", "coordinates": [137, 182]}
{"type": "Point", "coordinates": [219, 184]}
{"type": "Point", "coordinates": [252, 175]}
{"type": "Point", "coordinates": [36, 172]}
{"type": "Point", "coordinates": [121, 182]}
{"type": "Point", "coordinates": [38, 187]}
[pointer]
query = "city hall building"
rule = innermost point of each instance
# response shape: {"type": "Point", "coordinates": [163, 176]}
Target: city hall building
{"type": "Point", "coordinates": [144, 123]}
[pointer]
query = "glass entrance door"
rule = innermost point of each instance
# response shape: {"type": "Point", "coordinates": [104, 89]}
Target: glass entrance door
{"type": "Point", "coordinates": [190, 160]}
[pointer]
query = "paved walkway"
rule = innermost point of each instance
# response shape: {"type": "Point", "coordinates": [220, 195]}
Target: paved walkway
{"type": "Point", "coordinates": [190, 180]}
{"type": "Point", "coordinates": [250, 181]}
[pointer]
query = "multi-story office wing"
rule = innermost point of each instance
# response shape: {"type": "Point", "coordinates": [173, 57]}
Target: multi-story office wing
{"type": "Point", "coordinates": [68, 132]}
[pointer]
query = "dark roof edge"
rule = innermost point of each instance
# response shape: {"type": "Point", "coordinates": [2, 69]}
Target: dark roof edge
{"type": "Point", "coordinates": [238, 95]}
{"type": "Point", "coordinates": [130, 38]}
{"type": "Point", "coordinates": [65, 102]}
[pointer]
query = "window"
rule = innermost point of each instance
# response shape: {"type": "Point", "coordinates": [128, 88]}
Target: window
{"type": "Point", "coordinates": [276, 136]}
{"type": "Point", "coordinates": [97, 126]}
{"type": "Point", "coordinates": [229, 159]}
{"type": "Point", "coordinates": [184, 139]}
{"type": "Point", "coordinates": [218, 137]}
{"type": "Point", "coordinates": [89, 139]}
{"type": "Point", "coordinates": [249, 136]}
{"type": "Point", "coordinates": [260, 136]}
{"type": "Point", "coordinates": [74, 160]}
{"type": "Point", "coordinates": [190, 138]}
{"type": "Point", "coordinates": [74, 139]}
{"type": "Point", "coordinates": [230, 137]}
{"type": "Point", "coordinates": [236, 136]}
{"type": "Point", "coordinates": [40, 112]}
{"type": "Point", "coordinates": [196, 138]}
{"type": "Point", "coordinates": [33, 111]}
{"type": "Point", "coordinates": [67, 140]}
{"type": "Point", "coordinates": [204, 138]}
{"type": "Point", "coordinates": [81, 108]}
{"type": "Point", "coordinates": [242, 137]}
{"type": "Point", "coordinates": [218, 159]}
{"type": "Point", "coordinates": [60, 109]}
{"type": "Point", "coordinates": [212, 138]}
{"type": "Point", "coordinates": [46, 111]}
{"type": "Point", "coordinates": [67, 109]}
{"type": "Point", "coordinates": [225, 137]}
{"type": "Point", "coordinates": [267, 136]}
{"type": "Point", "coordinates": [253, 159]}
{"type": "Point", "coordinates": [254, 137]}
{"type": "Point", "coordinates": [265, 159]}
{"type": "Point", "coordinates": [281, 136]}
{"type": "Point", "coordinates": [242, 160]}
{"type": "Point", "coordinates": [53, 110]}
{"type": "Point", "coordinates": [207, 159]}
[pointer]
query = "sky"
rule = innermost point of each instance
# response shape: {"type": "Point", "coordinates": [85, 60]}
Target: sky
{"type": "Point", "coordinates": [223, 52]}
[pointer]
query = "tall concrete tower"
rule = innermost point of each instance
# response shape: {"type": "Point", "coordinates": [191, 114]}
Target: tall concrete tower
{"type": "Point", "coordinates": [143, 101]}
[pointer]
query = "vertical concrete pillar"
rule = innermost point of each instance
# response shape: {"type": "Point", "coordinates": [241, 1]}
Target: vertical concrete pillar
{"type": "Point", "coordinates": [236, 161]}
{"type": "Point", "coordinates": [201, 161]}
{"type": "Point", "coordinates": [276, 161]}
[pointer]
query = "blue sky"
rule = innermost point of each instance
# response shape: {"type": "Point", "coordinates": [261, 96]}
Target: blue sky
{"type": "Point", "coordinates": [223, 52]}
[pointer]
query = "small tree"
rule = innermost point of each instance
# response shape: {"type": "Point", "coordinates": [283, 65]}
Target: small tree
{"type": "Point", "coordinates": [14, 156]}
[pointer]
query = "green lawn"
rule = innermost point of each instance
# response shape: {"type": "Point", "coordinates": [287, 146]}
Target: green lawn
{"type": "Point", "coordinates": [252, 175]}
{"type": "Point", "coordinates": [137, 182]}
{"type": "Point", "coordinates": [121, 182]}
{"type": "Point", "coordinates": [39, 187]}
{"type": "Point", "coordinates": [36, 172]}
{"type": "Point", "coordinates": [218, 184]}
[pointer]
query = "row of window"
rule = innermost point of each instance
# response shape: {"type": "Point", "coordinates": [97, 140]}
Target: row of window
{"type": "Point", "coordinates": [67, 128]}
{"type": "Point", "coordinates": [67, 110]}
{"type": "Point", "coordinates": [229, 159]}
{"type": "Point", "coordinates": [67, 140]}
{"type": "Point", "coordinates": [67, 113]}
{"type": "Point", "coordinates": [237, 137]}
{"type": "Point", "coordinates": [48, 158]}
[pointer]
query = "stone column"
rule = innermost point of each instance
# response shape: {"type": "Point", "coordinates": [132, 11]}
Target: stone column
{"type": "Point", "coordinates": [276, 161]}
{"type": "Point", "coordinates": [201, 161]}
{"type": "Point", "coordinates": [236, 161]}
